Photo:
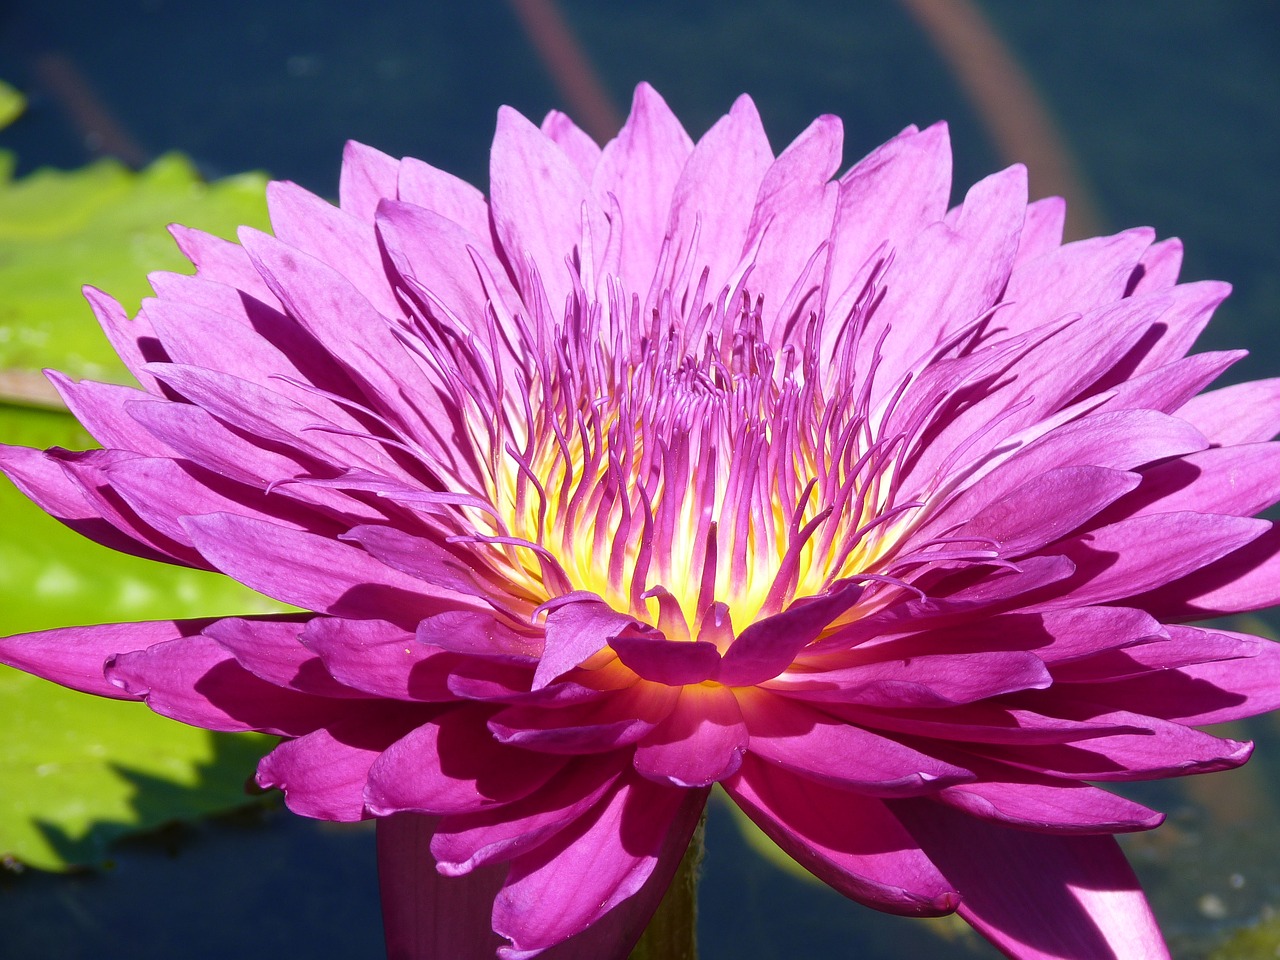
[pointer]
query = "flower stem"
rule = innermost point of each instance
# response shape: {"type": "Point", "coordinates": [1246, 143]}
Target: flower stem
{"type": "Point", "coordinates": [672, 934]}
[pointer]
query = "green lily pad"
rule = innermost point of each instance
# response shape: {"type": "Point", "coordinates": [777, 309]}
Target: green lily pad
{"type": "Point", "coordinates": [102, 225]}
{"type": "Point", "coordinates": [12, 103]}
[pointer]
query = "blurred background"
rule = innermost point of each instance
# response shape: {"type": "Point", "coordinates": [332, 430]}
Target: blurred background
{"type": "Point", "coordinates": [1163, 113]}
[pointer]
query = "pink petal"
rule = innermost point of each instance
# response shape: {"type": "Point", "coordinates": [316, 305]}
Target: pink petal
{"type": "Point", "coordinates": [222, 261]}
{"type": "Point", "coordinates": [466, 841]}
{"type": "Point", "coordinates": [441, 256]}
{"type": "Point", "coordinates": [454, 765]}
{"type": "Point", "coordinates": [1075, 278]}
{"type": "Point", "coordinates": [1241, 413]}
{"type": "Point", "coordinates": [196, 680]}
{"type": "Point", "coordinates": [444, 194]}
{"type": "Point", "coordinates": [820, 747]}
{"type": "Point", "coordinates": [347, 326]}
{"type": "Point", "coordinates": [640, 168]}
{"type": "Point", "coordinates": [844, 839]}
{"type": "Point", "coordinates": [574, 879]}
{"type": "Point", "coordinates": [793, 217]}
{"type": "Point", "coordinates": [885, 200]}
{"type": "Point", "coordinates": [1038, 896]}
{"type": "Point", "coordinates": [576, 143]}
{"type": "Point", "coordinates": [1042, 231]}
{"type": "Point", "coordinates": [948, 276]}
{"type": "Point", "coordinates": [426, 916]}
{"type": "Point", "coordinates": [132, 340]}
{"type": "Point", "coordinates": [367, 176]}
{"type": "Point", "coordinates": [323, 773]}
{"type": "Point", "coordinates": [309, 571]}
{"type": "Point", "coordinates": [76, 656]}
{"type": "Point", "coordinates": [716, 194]}
{"type": "Point", "coordinates": [1159, 266]}
{"type": "Point", "coordinates": [333, 236]}
{"type": "Point", "coordinates": [700, 742]}
{"type": "Point", "coordinates": [539, 202]}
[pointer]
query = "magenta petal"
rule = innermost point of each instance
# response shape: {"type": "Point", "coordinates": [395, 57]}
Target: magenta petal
{"type": "Point", "coordinates": [1129, 557]}
{"type": "Point", "coordinates": [469, 840]}
{"type": "Point", "coordinates": [1047, 507]}
{"type": "Point", "coordinates": [1061, 806]}
{"type": "Point", "coordinates": [820, 747]}
{"type": "Point", "coordinates": [426, 916]}
{"type": "Point", "coordinates": [584, 722]}
{"type": "Point", "coordinates": [765, 648]}
{"type": "Point", "coordinates": [700, 742]}
{"type": "Point", "coordinates": [577, 628]}
{"type": "Point", "coordinates": [323, 774]}
{"type": "Point", "coordinates": [1155, 748]}
{"type": "Point", "coordinates": [1034, 895]}
{"type": "Point", "coordinates": [40, 476]}
{"type": "Point", "coordinates": [847, 840]}
{"type": "Point", "coordinates": [76, 656]}
{"type": "Point", "coordinates": [309, 571]}
{"type": "Point", "coordinates": [379, 658]}
{"type": "Point", "coordinates": [367, 176]}
{"type": "Point", "coordinates": [615, 934]}
{"type": "Point", "coordinates": [904, 677]}
{"type": "Point", "coordinates": [578, 876]}
{"type": "Point", "coordinates": [197, 680]}
{"type": "Point", "coordinates": [666, 661]}
{"type": "Point", "coordinates": [1202, 693]}
{"type": "Point", "coordinates": [274, 651]}
{"type": "Point", "coordinates": [453, 765]}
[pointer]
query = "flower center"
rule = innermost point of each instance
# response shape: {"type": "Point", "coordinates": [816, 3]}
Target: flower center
{"type": "Point", "coordinates": [674, 478]}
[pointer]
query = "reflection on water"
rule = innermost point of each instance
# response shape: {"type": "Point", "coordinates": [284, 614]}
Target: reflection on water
{"type": "Point", "coordinates": [1174, 121]}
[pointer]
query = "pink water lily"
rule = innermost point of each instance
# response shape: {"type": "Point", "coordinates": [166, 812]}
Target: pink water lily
{"type": "Point", "coordinates": [672, 464]}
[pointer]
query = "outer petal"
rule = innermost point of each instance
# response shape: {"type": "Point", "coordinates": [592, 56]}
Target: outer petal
{"type": "Point", "coordinates": [76, 656]}
{"type": "Point", "coordinates": [820, 747]}
{"type": "Point", "coordinates": [640, 168]}
{"type": "Point", "coordinates": [1037, 896]}
{"type": "Point", "coordinates": [454, 765]}
{"type": "Point", "coordinates": [310, 571]}
{"type": "Point", "coordinates": [577, 877]}
{"type": "Point", "coordinates": [700, 742]}
{"type": "Point", "coordinates": [539, 206]}
{"type": "Point", "coordinates": [196, 680]}
{"type": "Point", "coordinates": [323, 774]}
{"type": "Point", "coordinates": [423, 913]}
{"type": "Point", "coordinates": [849, 841]}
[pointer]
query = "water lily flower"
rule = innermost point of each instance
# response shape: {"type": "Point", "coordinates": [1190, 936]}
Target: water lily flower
{"type": "Point", "coordinates": [674, 464]}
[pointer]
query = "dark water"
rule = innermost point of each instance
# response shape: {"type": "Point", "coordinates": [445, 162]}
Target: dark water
{"type": "Point", "coordinates": [1171, 111]}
